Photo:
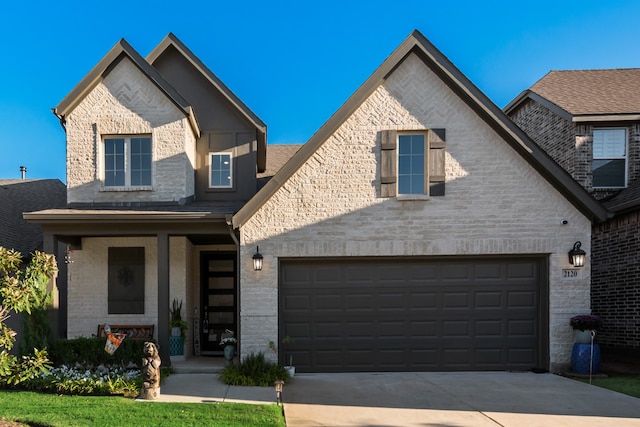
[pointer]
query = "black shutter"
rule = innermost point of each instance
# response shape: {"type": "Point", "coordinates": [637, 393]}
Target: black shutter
{"type": "Point", "coordinates": [388, 174]}
{"type": "Point", "coordinates": [437, 138]}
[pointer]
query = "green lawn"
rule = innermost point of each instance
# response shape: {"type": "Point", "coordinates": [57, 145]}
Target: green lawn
{"type": "Point", "coordinates": [626, 384]}
{"type": "Point", "coordinates": [37, 409]}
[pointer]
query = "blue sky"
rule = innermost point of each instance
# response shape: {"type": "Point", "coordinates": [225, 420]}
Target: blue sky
{"type": "Point", "coordinates": [292, 62]}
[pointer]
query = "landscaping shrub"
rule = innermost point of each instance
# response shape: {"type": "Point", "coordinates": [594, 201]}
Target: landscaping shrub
{"type": "Point", "coordinates": [89, 352]}
{"type": "Point", "coordinates": [254, 370]}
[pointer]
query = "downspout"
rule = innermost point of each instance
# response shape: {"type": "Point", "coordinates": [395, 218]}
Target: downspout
{"type": "Point", "coordinates": [238, 300]}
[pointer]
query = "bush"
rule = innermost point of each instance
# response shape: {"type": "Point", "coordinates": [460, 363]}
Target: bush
{"type": "Point", "coordinates": [254, 370]}
{"type": "Point", "coordinates": [89, 352]}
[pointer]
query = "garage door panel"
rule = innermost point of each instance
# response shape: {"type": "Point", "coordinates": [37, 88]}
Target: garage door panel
{"type": "Point", "coordinates": [421, 300]}
{"type": "Point", "coordinates": [524, 299]}
{"type": "Point", "coordinates": [489, 328]}
{"type": "Point", "coordinates": [404, 315]}
{"type": "Point", "coordinates": [523, 328]}
{"type": "Point", "coordinates": [455, 300]}
{"type": "Point", "coordinates": [491, 299]}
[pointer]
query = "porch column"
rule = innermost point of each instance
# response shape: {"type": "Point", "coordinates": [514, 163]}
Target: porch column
{"type": "Point", "coordinates": [163, 298]}
{"type": "Point", "coordinates": [50, 246]}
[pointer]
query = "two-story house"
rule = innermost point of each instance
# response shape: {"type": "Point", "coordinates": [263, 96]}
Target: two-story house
{"type": "Point", "coordinates": [418, 229]}
{"type": "Point", "coordinates": [589, 122]}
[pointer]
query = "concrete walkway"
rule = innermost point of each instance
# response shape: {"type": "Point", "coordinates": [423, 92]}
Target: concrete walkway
{"type": "Point", "coordinates": [207, 388]}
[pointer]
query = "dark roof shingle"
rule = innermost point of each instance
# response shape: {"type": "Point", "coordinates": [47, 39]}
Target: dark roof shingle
{"type": "Point", "coordinates": [587, 92]}
{"type": "Point", "coordinates": [19, 196]}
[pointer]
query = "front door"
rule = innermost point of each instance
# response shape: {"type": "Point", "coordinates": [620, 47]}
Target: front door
{"type": "Point", "coordinates": [218, 300]}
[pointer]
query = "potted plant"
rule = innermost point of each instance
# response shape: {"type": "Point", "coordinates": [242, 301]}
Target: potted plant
{"type": "Point", "coordinates": [585, 355]}
{"type": "Point", "coordinates": [178, 326]}
{"type": "Point", "coordinates": [289, 368]}
{"type": "Point", "coordinates": [583, 324]}
{"type": "Point", "coordinates": [228, 343]}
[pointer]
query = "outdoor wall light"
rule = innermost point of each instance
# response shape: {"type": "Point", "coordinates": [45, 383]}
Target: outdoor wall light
{"type": "Point", "coordinates": [257, 260]}
{"type": "Point", "coordinates": [577, 255]}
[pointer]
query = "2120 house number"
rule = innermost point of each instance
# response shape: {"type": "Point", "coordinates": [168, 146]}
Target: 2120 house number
{"type": "Point", "coordinates": [570, 274]}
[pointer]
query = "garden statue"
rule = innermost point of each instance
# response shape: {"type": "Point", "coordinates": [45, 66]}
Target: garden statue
{"type": "Point", "coordinates": [150, 372]}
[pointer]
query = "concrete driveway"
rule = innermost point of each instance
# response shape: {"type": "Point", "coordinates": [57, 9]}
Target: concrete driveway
{"type": "Point", "coordinates": [453, 399]}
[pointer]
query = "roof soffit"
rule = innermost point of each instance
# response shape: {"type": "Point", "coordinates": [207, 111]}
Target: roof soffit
{"type": "Point", "coordinates": [469, 93]}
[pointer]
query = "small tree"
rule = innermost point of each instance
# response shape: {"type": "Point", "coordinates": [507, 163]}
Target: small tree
{"type": "Point", "coordinates": [22, 290]}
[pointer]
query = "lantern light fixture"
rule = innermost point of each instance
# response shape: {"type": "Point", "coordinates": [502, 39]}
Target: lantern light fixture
{"type": "Point", "coordinates": [577, 255]}
{"type": "Point", "coordinates": [257, 260]}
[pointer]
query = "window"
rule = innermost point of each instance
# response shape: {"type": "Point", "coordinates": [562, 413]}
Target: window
{"type": "Point", "coordinates": [220, 170]}
{"type": "Point", "coordinates": [412, 163]}
{"type": "Point", "coordinates": [609, 158]}
{"type": "Point", "coordinates": [126, 281]}
{"type": "Point", "coordinates": [127, 161]}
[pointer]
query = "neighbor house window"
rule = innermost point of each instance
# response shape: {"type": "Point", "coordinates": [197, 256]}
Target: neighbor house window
{"type": "Point", "coordinates": [609, 158]}
{"type": "Point", "coordinates": [220, 170]}
{"type": "Point", "coordinates": [412, 164]}
{"type": "Point", "coordinates": [127, 161]}
{"type": "Point", "coordinates": [126, 280]}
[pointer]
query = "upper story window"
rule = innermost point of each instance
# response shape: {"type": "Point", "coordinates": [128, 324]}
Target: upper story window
{"type": "Point", "coordinates": [412, 164]}
{"type": "Point", "coordinates": [127, 161]}
{"type": "Point", "coordinates": [220, 170]}
{"type": "Point", "coordinates": [609, 158]}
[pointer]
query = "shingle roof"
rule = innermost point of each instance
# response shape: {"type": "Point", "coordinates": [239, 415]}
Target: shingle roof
{"type": "Point", "coordinates": [627, 199]}
{"type": "Point", "coordinates": [277, 156]}
{"type": "Point", "coordinates": [580, 92]}
{"type": "Point", "coordinates": [19, 196]}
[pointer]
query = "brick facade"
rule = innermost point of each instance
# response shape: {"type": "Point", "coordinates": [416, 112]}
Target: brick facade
{"type": "Point", "coordinates": [615, 254]}
{"type": "Point", "coordinates": [616, 280]}
{"type": "Point", "coordinates": [127, 103]}
{"type": "Point", "coordinates": [331, 207]}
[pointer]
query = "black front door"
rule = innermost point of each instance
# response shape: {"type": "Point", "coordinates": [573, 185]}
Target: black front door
{"type": "Point", "coordinates": [218, 299]}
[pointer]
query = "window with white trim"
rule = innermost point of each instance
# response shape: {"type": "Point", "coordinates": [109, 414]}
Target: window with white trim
{"type": "Point", "coordinates": [220, 170]}
{"type": "Point", "coordinates": [609, 158]}
{"type": "Point", "coordinates": [127, 161]}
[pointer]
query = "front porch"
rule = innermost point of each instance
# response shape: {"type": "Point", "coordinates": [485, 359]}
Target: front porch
{"type": "Point", "coordinates": [184, 253]}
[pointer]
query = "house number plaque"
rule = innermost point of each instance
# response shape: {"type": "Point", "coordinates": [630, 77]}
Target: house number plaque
{"type": "Point", "coordinates": [568, 273]}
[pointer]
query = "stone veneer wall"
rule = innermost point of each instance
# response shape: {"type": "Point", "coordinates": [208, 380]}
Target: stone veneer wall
{"type": "Point", "coordinates": [127, 103]}
{"type": "Point", "coordinates": [495, 204]}
{"type": "Point", "coordinates": [616, 280]}
{"type": "Point", "coordinates": [88, 290]}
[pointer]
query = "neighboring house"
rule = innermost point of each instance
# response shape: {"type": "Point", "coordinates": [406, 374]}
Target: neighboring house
{"type": "Point", "coordinates": [18, 196]}
{"type": "Point", "coordinates": [418, 229]}
{"type": "Point", "coordinates": [589, 122]}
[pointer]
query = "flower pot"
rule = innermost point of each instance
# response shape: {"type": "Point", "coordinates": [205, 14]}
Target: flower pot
{"type": "Point", "coordinates": [229, 353]}
{"type": "Point", "coordinates": [175, 331]}
{"type": "Point", "coordinates": [291, 370]}
{"type": "Point", "coordinates": [582, 337]}
{"type": "Point", "coordinates": [176, 345]}
{"type": "Point", "coordinates": [585, 358]}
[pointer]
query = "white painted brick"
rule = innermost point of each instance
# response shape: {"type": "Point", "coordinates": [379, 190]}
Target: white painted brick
{"type": "Point", "coordinates": [495, 204]}
{"type": "Point", "coordinates": [126, 102]}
